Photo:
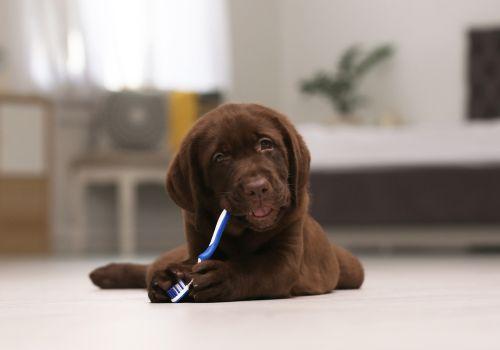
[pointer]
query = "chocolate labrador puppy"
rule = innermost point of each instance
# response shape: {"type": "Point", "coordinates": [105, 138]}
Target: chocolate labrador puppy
{"type": "Point", "coordinates": [250, 160]}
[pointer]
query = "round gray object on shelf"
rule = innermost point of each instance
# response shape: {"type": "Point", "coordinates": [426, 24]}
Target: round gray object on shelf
{"type": "Point", "coordinates": [135, 120]}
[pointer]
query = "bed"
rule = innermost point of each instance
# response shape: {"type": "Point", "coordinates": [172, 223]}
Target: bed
{"type": "Point", "coordinates": [447, 173]}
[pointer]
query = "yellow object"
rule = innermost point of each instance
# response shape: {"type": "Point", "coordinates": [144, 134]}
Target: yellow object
{"type": "Point", "coordinates": [183, 112]}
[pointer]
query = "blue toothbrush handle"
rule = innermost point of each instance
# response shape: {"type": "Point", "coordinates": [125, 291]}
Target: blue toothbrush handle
{"type": "Point", "coordinates": [214, 242]}
{"type": "Point", "coordinates": [180, 289]}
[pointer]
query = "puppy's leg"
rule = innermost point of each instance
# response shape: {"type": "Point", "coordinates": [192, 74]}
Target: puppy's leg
{"type": "Point", "coordinates": [165, 272]}
{"type": "Point", "coordinates": [268, 273]}
{"type": "Point", "coordinates": [351, 270]}
{"type": "Point", "coordinates": [113, 276]}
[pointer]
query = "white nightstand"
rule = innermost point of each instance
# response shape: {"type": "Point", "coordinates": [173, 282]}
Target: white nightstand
{"type": "Point", "coordinates": [126, 170]}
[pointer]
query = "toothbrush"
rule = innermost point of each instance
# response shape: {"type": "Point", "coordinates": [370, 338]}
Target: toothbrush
{"type": "Point", "coordinates": [180, 289]}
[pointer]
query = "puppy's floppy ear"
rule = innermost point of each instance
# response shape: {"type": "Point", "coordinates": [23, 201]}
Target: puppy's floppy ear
{"type": "Point", "coordinates": [299, 159]}
{"type": "Point", "coordinates": [298, 154]}
{"type": "Point", "coordinates": [183, 183]}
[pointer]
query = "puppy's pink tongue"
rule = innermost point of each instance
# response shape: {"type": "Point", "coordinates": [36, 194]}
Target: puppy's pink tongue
{"type": "Point", "coordinates": [261, 211]}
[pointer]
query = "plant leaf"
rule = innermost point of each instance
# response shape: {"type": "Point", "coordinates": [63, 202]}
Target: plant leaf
{"type": "Point", "coordinates": [348, 59]}
{"type": "Point", "coordinates": [321, 83]}
{"type": "Point", "coordinates": [374, 57]}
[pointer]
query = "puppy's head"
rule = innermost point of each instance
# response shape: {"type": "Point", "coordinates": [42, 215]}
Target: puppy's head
{"type": "Point", "coordinates": [245, 158]}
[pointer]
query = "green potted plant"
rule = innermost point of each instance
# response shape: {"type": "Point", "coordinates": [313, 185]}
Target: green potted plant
{"type": "Point", "coordinates": [341, 86]}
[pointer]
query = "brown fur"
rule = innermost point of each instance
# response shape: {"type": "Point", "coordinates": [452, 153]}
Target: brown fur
{"type": "Point", "coordinates": [282, 254]}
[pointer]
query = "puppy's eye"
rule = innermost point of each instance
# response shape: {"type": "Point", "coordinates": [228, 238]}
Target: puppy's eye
{"type": "Point", "coordinates": [265, 144]}
{"type": "Point", "coordinates": [218, 157]}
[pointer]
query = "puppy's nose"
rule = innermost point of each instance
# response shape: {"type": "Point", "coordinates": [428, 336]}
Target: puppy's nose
{"type": "Point", "coordinates": [256, 187]}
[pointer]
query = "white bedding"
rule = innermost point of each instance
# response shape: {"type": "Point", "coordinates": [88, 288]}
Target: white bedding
{"type": "Point", "coordinates": [340, 147]}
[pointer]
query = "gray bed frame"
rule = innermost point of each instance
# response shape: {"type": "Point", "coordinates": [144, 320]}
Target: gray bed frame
{"type": "Point", "coordinates": [414, 194]}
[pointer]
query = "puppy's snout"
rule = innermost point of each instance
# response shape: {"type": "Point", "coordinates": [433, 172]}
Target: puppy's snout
{"type": "Point", "coordinates": [256, 188]}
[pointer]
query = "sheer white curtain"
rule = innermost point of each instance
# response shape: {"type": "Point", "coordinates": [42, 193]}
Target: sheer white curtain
{"type": "Point", "coordinates": [33, 37]}
{"type": "Point", "coordinates": [115, 44]}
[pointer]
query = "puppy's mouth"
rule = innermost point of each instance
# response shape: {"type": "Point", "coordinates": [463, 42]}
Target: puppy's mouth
{"type": "Point", "coordinates": [260, 213]}
{"type": "Point", "coordinates": [262, 217]}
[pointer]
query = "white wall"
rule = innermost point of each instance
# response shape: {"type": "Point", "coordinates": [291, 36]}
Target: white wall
{"type": "Point", "coordinates": [423, 82]}
{"type": "Point", "coordinates": [256, 51]}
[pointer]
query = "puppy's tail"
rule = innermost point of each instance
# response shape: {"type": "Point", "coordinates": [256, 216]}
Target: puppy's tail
{"type": "Point", "coordinates": [114, 276]}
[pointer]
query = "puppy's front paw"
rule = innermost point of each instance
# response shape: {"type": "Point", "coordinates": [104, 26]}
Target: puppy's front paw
{"type": "Point", "coordinates": [213, 281]}
{"type": "Point", "coordinates": [164, 279]}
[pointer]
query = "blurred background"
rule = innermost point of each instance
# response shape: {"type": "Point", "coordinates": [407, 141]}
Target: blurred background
{"type": "Point", "coordinates": [399, 102]}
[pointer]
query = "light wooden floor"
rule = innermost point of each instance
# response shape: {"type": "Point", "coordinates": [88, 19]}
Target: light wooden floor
{"type": "Point", "coordinates": [406, 303]}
